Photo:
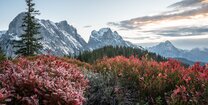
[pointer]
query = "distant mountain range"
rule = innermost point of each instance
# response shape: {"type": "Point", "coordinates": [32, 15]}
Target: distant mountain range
{"type": "Point", "coordinates": [63, 39]}
{"type": "Point", "coordinates": [60, 38]}
{"type": "Point", "coordinates": [167, 49]}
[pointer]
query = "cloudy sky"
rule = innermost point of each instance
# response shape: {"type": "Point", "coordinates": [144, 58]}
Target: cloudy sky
{"type": "Point", "coordinates": [145, 22]}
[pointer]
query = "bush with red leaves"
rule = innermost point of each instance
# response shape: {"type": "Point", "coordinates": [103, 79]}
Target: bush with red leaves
{"type": "Point", "coordinates": [45, 80]}
{"type": "Point", "coordinates": [150, 82]}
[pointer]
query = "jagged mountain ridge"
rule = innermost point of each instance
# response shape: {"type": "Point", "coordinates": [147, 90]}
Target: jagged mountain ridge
{"type": "Point", "coordinates": [58, 38]}
{"type": "Point", "coordinates": [106, 37]}
{"type": "Point", "coordinates": [61, 38]}
{"type": "Point", "coordinates": [167, 49]}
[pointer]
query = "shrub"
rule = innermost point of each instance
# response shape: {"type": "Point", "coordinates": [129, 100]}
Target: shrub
{"type": "Point", "coordinates": [149, 82]}
{"type": "Point", "coordinates": [73, 61]}
{"type": "Point", "coordinates": [124, 88]}
{"type": "Point", "coordinates": [45, 80]}
{"type": "Point", "coordinates": [102, 89]}
{"type": "Point", "coordinates": [83, 65]}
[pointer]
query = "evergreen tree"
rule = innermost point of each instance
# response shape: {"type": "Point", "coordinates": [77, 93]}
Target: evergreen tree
{"type": "Point", "coordinates": [29, 44]}
{"type": "Point", "coordinates": [2, 56]}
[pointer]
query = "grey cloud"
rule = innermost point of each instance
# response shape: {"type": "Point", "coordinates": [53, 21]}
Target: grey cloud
{"type": "Point", "coordinates": [136, 23]}
{"type": "Point", "coordinates": [136, 38]}
{"type": "Point", "coordinates": [181, 31]}
{"type": "Point", "coordinates": [186, 3]}
{"type": "Point", "coordinates": [88, 26]}
{"type": "Point", "coordinates": [175, 14]}
{"type": "Point", "coordinates": [123, 25]}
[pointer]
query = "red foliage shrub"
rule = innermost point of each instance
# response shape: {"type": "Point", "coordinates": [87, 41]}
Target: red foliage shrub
{"type": "Point", "coordinates": [78, 63]}
{"type": "Point", "coordinates": [68, 60]}
{"type": "Point", "coordinates": [45, 80]}
{"type": "Point", "coordinates": [167, 81]}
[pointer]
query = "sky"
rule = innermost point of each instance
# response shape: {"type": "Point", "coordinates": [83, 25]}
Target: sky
{"type": "Point", "coordinates": [143, 22]}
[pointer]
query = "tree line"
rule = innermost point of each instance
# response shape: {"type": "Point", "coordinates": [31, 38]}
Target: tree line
{"type": "Point", "coordinates": [111, 51]}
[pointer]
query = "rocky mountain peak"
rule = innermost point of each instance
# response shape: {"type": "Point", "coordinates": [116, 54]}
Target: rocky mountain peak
{"type": "Point", "coordinates": [106, 37]}
{"type": "Point", "coordinates": [58, 38]}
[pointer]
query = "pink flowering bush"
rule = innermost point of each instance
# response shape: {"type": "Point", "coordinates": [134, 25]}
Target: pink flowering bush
{"type": "Point", "coordinates": [150, 82]}
{"type": "Point", "coordinates": [43, 80]}
{"type": "Point", "coordinates": [71, 61]}
{"type": "Point", "coordinates": [80, 64]}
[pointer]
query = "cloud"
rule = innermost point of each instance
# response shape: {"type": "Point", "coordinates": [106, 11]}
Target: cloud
{"type": "Point", "coordinates": [181, 31]}
{"type": "Point", "coordinates": [123, 25]}
{"type": "Point", "coordinates": [176, 14]}
{"type": "Point", "coordinates": [184, 22]}
{"type": "Point", "coordinates": [188, 3]}
{"type": "Point", "coordinates": [88, 26]}
{"type": "Point", "coordinates": [136, 38]}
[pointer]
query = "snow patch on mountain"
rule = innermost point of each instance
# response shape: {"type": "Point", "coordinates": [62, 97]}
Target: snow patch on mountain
{"type": "Point", "coordinates": [58, 38]}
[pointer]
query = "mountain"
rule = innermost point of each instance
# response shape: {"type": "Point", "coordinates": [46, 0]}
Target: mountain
{"type": "Point", "coordinates": [106, 37]}
{"type": "Point", "coordinates": [167, 49]}
{"type": "Point", "coordinates": [58, 38]}
{"type": "Point", "coordinates": [2, 32]}
{"type": "Point", "coordinates": [61, 38]}
{"type": "Point", "coordinates": [185, 61]}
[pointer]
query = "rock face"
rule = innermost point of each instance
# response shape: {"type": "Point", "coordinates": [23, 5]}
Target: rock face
{"type": "Point", "coordinates": [58, 38]}
{"type": "Point", "coordinates": [2, 32]}
{"type": "Point", "coordinates": [167, 49]}
{"type": "Point", "coordinates": [106, 37]}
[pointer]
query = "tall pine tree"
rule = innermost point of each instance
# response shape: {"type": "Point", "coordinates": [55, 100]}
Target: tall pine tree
{"type": "Point", "coordinates": [2, 56]}
{"type": "Point", "coordinates": [29, 43]}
